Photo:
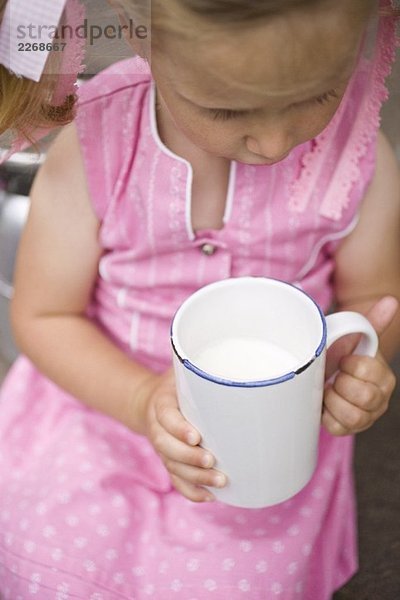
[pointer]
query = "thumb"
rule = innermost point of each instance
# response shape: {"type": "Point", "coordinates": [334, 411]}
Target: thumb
{"type": "Point", "coordinates": [381, 314]}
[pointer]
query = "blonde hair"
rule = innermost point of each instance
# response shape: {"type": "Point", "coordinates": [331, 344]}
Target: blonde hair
{"type": "Point", "coordinates": [26, 105]}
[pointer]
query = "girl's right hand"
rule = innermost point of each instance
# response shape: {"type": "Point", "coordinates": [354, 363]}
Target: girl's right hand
{"type": "Point", "coordinates": [177, 442]}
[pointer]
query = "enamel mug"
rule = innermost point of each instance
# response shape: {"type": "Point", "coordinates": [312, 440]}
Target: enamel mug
{"type": "Point", "coordinates": [249, 358]}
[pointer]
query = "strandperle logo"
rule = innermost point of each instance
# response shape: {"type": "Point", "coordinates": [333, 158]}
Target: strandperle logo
{"type": "Point", "coordinates": [86, 31]}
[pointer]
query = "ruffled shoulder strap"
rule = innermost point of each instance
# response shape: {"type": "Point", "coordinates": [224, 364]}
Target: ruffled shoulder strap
{"type": "Point", "coordinates": [333, 165]}
{"type": "Point", "coordinates": [73, 54]}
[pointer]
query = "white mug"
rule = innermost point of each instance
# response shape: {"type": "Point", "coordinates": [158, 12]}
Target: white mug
{"type": "Point", "coordinates": [249, 358]}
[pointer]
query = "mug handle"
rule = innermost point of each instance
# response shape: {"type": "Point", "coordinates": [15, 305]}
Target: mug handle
{"type": "Point", "coordinates": [342, 323]}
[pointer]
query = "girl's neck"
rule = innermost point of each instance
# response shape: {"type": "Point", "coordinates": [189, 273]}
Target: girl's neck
{"type": "Point", "coordinates": [210, 173]}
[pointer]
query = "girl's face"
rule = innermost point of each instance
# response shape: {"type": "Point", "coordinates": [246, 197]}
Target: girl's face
{"type": "Point", "coordinates": [253, 94]}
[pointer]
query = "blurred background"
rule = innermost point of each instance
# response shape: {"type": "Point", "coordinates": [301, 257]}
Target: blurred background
{"type": "Point", "coordinates": [377, 461]}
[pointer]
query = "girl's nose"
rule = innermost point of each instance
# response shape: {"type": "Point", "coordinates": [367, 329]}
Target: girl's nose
{"type": "Point", "coordinates": [273, 146]}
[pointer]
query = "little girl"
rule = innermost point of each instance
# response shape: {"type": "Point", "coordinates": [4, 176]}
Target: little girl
{"type": "Point", "coordinates": [250, 148]}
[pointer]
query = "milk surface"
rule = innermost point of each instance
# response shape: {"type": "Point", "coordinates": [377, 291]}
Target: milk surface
{"type": "Point", "coordinates": [245, 359]}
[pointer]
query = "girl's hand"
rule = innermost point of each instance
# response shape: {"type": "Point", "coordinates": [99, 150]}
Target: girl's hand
{"type": "Point", "coordinates": [362, 389]}
{"type": "Point", "coordinates": [177, 443]}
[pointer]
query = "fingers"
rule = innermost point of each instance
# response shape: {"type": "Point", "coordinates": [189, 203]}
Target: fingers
{"type": "Point", "coordinates": [359, 395]}
{"type": "Point", "coordinates": [171, 419]}
{"type": "Point", "coordinates": [189, 467]}
{"type": "Point", "coordinates": [367, 369]}
{"type": "Point", "coordinates": [174, 438]}
{"type": "Point", "coordinates": [340, 417]}
{"type": "Point", "coordinates": [177, 443]}
{"type": "Point", "coordinates": [172, 449]}
{"type": "Point", "coordinates": [362, 394]}
{"type": "Point", "coordinates": [190, 491]}
{"type": "Point", "coordinates": [195, 476]}
{"type": "Point", "coordinates": [167, 414]}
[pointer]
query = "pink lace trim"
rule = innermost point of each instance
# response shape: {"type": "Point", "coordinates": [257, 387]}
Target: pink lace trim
{"type": "Point", "coordinates": [74, 53]}
{"type": "Point", "coordinates": [347, 171]}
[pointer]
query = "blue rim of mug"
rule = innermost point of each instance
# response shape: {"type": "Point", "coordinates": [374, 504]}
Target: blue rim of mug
{"type": "Point", "coordinates": [264, 382]}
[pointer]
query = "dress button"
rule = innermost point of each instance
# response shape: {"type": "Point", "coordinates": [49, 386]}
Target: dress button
{"type": "Point", "coordinates": [208, 249]}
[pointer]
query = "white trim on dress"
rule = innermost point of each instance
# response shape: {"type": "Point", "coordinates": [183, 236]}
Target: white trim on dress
{"type": "Point", "coordinates": [168, 152]}
{"type": "Point", "coordinates": [189, 182]}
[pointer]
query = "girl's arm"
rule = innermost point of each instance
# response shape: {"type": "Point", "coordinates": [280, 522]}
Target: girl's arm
{"type": "Point", "coordinates": [367, 279]}
{"type": "Point", "coordinates": [56, 269]}
{"type": "Point", "coordinates": [368, 260]}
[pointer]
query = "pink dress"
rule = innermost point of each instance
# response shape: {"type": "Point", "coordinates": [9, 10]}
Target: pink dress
{"type": "Point", "coordinates": [87, 510]}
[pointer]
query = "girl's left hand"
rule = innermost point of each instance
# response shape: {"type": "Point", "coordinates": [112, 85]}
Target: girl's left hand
{"type": "Point", "coordinates": [362, 389]}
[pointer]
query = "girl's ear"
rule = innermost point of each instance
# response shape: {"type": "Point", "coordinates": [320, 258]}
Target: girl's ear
{"type": "Point", "coordinates": [136, 30]}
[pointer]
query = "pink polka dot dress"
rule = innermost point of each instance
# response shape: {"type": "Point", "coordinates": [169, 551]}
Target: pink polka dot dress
{"type": "Point", "coordinates": [87, 510]}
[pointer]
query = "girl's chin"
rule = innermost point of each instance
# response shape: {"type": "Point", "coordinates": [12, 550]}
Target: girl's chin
{"type": "Point", "coordinates": [256, 161]}
{"type": "Point", "coordinates": [262, 161]}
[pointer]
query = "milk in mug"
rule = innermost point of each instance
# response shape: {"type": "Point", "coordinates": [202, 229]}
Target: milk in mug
{"type": "Point", "coordinates": [245, 359]}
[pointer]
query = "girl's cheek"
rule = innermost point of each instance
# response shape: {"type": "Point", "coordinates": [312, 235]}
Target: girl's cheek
{"type": "Point", "coordinates": [203, 131]}
{"type": "Point", "coordinates": [314, 125]}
